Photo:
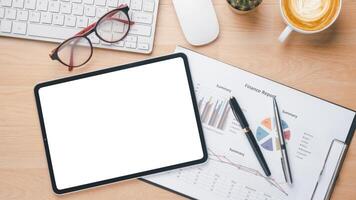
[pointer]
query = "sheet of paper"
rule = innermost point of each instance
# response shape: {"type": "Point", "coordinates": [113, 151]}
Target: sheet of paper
{"type": "Point", "coordinates": [232, 170]}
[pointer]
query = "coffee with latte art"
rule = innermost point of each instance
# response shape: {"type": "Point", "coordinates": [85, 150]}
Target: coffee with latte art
{"type": "Point", "coordinates": [310, 15]}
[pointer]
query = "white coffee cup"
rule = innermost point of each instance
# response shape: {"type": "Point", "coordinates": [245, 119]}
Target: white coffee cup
{"type": "Point", "coordinates": [289, 28]}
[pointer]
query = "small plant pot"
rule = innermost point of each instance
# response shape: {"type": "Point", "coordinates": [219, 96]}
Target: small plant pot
{"type": "Point", "coordinates": [243, 6]}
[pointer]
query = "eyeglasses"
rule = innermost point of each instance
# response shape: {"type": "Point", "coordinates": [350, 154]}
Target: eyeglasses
{"type": "Point", "coordinates": [77, 50]}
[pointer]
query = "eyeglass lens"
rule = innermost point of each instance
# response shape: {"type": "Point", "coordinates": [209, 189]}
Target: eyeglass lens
{"type": "Point", "coordinates": [113, 26]}
{"type": "Point", "coordinates": [75, 52]}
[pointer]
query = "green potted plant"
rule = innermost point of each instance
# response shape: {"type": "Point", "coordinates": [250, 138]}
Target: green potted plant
{"type": "Point", "coordinates": [243, 6]}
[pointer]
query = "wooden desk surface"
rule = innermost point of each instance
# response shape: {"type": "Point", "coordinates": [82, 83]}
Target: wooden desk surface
{"type": "Point", "coordinates": [322, 64]}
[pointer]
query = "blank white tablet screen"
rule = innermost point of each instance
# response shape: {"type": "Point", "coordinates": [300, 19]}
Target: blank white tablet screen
{"type": "Point", "coordinates": [120, 123]}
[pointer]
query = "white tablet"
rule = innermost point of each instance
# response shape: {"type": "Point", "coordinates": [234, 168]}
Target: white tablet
{"type": "Point", "coordinates": [120, 123]}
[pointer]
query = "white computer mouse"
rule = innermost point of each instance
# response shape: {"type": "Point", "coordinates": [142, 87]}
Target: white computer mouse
{"type": "Point", "coordinates": [198, 20]}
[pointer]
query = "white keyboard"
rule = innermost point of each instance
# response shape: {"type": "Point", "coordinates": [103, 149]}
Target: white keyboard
{"type": "Point", "coordinates": [57, 20]}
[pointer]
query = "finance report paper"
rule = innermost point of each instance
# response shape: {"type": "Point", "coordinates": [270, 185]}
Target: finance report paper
{"type": "Point", "coordinates": [232, 170]}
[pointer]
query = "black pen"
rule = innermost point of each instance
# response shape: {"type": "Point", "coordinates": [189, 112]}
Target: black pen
{"type": "Point", "coordinates": [244, 125]}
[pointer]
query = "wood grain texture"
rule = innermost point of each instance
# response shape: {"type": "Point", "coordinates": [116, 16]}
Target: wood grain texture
{"type": "Point", "coordinates": [323, 64]}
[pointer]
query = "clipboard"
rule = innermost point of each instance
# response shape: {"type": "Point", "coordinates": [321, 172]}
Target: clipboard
{"type": "Point", "coordinates": [336, 150]}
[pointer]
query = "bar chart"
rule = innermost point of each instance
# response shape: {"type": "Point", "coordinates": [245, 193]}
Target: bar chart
{"type": "Point", "coordinates": [213, 112]}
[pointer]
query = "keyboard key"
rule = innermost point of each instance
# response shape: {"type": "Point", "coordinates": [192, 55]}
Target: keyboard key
{"type": "Point", "coordinates": [112, 3]}
{"type": "Point", "coordinates": [2, 12]}
{"type": "Point", "coordinates": [10, 13]}
{"type": "Point", "coordinates": [136, 4]}
{"type": "Point", "coordinates": [34, 16]}
{"type": "Point", "coordinates": [42, 5]}
{"type": "Point", "coordinates": [22, 15]}
{"type": "Point", "coordinates": [6, 3]}
{"type": "Point", "coordinates": [131, 45]}
{"type": "Point", "coordinates": [66, 8]}
{"type": "Point", "coordinates": [5, 26]}
{"type": "Point", "coordinates": [119, 44]}
{"type": "Point", "coordinates": [100, 11]}
{"type": "Point", "coordinates": [82, 22]}
{"type": "Point", "coordinates": [88, 2]}
{"type": "Point", "coordinates": [30, 4]}
{"type": "Point", "coordinates": [76, 1]}
{"type": "Point", "coordinates": [143, 39]}
{"type": "Point", "coordinates": [78, 9]}
{"type": "Point", "coordinates": [148, 5]}
{"type": "Point", "coordinates": [70, 20]}
{"type": "Point", "coordinates": [55, 32]}
{"type": "Point", "coordinates": [131, 38]}
{"type": "Point", "coordinates": [100, 2]}
{"type": "Point", "coordinates": [18, 3]}
{"type": "Point", "coordinates": [140, 30]}
{"type": "Point", "coordinates": [142, 46]}
{"type": "Point", "coordinates": [19, 28]}
{"type": "Point", "coordinates": [58, 19]}
{"type": "Point", "coordinates": [53, 6]}
{"type": "Point", "coordinates": [89, 10]}
{"type": "Point", "coordinates": [46, 17]}
{"type": "Point", "coordinates": [142, 17]}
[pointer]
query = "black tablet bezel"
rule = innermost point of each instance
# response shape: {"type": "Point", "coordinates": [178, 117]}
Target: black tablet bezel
{"type": "Point", "coordinates": [108, 70]}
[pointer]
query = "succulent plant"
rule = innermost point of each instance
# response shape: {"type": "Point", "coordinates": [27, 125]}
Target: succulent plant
{"type": "Point", "coordinates": [244, 5]}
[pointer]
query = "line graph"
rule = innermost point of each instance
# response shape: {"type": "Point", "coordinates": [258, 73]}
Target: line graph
{"type": "Point", "coordinates": [223, 159]}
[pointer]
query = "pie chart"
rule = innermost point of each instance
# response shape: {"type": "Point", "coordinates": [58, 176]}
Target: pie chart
{"type": "Point", "coordinates": [267, 137]}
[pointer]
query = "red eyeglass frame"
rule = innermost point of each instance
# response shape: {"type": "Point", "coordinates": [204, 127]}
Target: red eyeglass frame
{"type": "Point", "coordinates": [90, 29]}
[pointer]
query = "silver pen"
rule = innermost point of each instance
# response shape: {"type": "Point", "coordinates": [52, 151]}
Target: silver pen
{"type": "Point", "coordinates": [284, 158]}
